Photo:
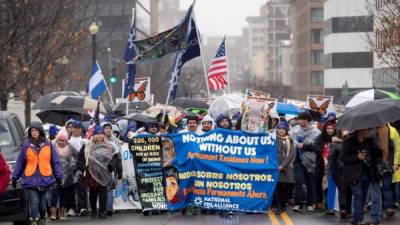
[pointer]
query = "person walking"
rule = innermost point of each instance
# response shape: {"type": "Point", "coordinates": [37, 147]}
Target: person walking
{"type": "Point", "coordinates": [322, 146]}
{"type": "Point", "coordinates": [4, 174]}
{"type": "Point", "coordinates": [94, 161]}
{"type": "Point", "coordinates": [39, 168]}
{"type": "Point", "coordinates": [64, 193]}
{"type": "Point", "coordinates": [285, 157]}
{"type": "Point", "coordinates": [304, 136]}
{"type": "Point", "coordinates": [335, 170]}
{"type": "Point", "coordinates": [361, 156]}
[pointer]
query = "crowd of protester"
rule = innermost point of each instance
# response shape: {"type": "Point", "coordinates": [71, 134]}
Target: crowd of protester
{"type": "Point", "coordinates": [315, 160]}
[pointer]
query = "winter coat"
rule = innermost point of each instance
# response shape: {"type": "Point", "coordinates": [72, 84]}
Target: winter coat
{"type": "Point", "coordinates": [321, 142]}
{"type": "Point", "coordinates": [4, 174]}
{"type": "Point", "coordinates": [285, 159]}
{"type": "Point", "coordinates": [353, 167]}
{"type": "Point", "coordinates": [395, 138]}
{"type": "Point", "coordinates": [37, 179]}
{"type": "Point", "coordinates": [308, 155]}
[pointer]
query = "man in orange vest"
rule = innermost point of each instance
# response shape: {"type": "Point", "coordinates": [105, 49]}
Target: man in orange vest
{"type": "Point", "coordinates": [39, 168]}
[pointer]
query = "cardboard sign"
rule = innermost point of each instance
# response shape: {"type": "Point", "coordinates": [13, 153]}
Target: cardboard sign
{"type": "Point", "coordinates": [141, 91]}
{"type": "Point", "coordinates": [320, 103]}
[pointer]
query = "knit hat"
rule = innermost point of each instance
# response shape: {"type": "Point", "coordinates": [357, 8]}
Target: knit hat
{"type": "Point", "coordinates": [105, 124]}
{"type": "Point", "coordinates": [221, 117]}
{"type": "Point", "coordinates": [53, 130]}
{"type": "Point", "coordinates": [283, 125]}
{"type": "Point", "coordinates": [62, 135]}
{"type": "Point", "coordinates": [98, 130]}
{"type": "Point", "coordinates": [304, 116]}
{"type": "Point", "coordinates": [77, 123]}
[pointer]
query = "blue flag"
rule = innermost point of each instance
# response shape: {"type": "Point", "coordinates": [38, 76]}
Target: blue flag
{"type": "Point", "coordinates": [128, 57]}
{"type": "Point", "coordinates": [97, 84]}
{"type": "Point", "coordinates": [192, 51]}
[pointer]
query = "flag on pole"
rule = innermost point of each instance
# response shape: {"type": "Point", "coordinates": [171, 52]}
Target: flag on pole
{"type": "Point", "coordinates": [129, 58]}
{"type": "Point", "coordinates": [218, 69]}
{"type": "Point", "coordinates": [192, 51]}
{"type": "Point", "coordinates": [97, 84]}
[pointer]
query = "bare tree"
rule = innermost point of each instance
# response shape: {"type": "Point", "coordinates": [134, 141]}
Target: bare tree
{"type": "Point", "coordinates": [35, 35]}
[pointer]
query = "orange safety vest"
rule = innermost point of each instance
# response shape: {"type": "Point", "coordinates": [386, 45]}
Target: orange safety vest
{"type": "Point", "coordinates": [43, 161]}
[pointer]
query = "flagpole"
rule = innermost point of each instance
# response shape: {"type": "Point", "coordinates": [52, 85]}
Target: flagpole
{"type": "Point", "coordinates": [227, 65]}
{"type": "Point", "coordinates": [202, 57]}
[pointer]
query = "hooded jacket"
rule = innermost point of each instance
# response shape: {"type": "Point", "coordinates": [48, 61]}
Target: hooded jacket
{"type": "Point", "coordinates": [4, 174]}
{"type": "Point", "coordinates": [37, 179]}
{"type": "Point", "coordinates": [220, 118]}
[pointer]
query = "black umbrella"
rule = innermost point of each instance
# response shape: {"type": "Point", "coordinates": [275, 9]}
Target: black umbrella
{"type": "Point", "coordinates": [60, 116]}
{"type": "Point", "coordinates": [370, 114]}
{"type": "Point", "coordinates": [139, 117]}
{"type": "Point", "coordinates": [44, 102]}
{"type": "Point", "coordinates": [79, 102]}
{"type": "Point", "coordinates": [120, 108]}
{"type": "Point", "coordinates": [190, 103]}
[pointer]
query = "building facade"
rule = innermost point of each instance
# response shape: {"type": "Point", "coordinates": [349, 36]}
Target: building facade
{"type": "Point", "coordinates": [308, 47]}
{"type": "Point", "coordinates": [256, 45]}
{"type": "Point", "coordinates": [277, 14]}
{"type": "Point", "coordinates": [348, 52]}
{"type": "Point", "coordinates": [285, 63]}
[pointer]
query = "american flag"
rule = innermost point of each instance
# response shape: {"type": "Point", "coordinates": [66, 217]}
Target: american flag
{"type": "Point", "coordinates": [218, 69]}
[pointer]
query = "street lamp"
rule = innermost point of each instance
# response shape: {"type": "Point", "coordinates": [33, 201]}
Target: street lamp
{"type": "Point", "coordinates": [93, 30]}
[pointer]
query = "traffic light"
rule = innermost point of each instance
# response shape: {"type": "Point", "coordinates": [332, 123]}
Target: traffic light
{"type": "Point", "coordinates": [113, 77]}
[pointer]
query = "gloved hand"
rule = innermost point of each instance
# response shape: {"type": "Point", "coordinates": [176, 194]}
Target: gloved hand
{"type": "Point", "coordinates": [14, 183]}
{"type": "Point", "coordinates": [110, 169]}
{"type": "Point", "coordinates": [59, 182]}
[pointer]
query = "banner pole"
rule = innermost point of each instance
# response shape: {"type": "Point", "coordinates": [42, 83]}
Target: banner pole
{"type": "Point", "coordinates": [202, 57]}
{"type": "Point", "coordinates": [227, 65]}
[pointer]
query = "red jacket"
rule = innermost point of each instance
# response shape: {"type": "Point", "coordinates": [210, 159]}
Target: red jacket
{"type": "Point", "coordinates": [4, 174]}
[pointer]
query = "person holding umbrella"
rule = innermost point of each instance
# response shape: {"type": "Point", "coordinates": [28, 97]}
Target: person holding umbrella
{"type": "Point", "coordinates": [361, 156]}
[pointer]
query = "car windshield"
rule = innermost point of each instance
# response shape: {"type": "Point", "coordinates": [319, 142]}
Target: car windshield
{"type": "Point", "coordinates": [5, 134]}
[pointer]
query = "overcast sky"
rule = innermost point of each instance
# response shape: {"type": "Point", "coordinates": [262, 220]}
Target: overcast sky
{"type": "Point", "coordinates": [219, 17]}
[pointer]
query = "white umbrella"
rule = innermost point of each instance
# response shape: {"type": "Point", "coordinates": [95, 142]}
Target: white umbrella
{"type": "Point", "coordinates": [370, 95]}
{"type": "Point", "coordinates": [226, 104]}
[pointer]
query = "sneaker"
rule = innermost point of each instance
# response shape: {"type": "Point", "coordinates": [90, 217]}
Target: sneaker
{"type": "Point", "coordinates": [83, 212]}
{"type": "Point", "coordinates": [310, 208]}
{"type": "Point", "coordinates": [109, 213]}
{"type": "Point", "coordinates": [297, 208]}
{"type": "Point", "coordinates": [320, 206]}
{"type": "Point", "coordinates": [330, 212]}
{"type": "Point", "coordinates": [94, 214]}
{"type": "Point", "coordinates": [33, 222]}
{"type": "Point", "coordinates": [42, 221]}
{"type": "Point", "coordinates": [344, 215]}
{"type": "Point", "coordinates": [71, 212]}
{"type": "Point", "coordinates": [390, 212]}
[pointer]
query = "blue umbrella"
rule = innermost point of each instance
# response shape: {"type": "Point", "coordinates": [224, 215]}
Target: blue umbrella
{"type": "Point", "coordinates": [287, 108]}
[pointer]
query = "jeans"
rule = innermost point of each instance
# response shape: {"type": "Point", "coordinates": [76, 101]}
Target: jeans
{"type": "Point", "coordinates": [301, 176]}
{"type": "Point", "coordinates": [387, 192]}
{"type": "Point", "coordinates": [37, 203]}
{"type": "Point", "coordinates": [358, 204]}
{"type": "Point", "coordinates": [110, 200]}
{"type": "Point", "coordinates": [82, 195]}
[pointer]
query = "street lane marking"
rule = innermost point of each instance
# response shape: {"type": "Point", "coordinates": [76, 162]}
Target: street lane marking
{"type": "Point", "coordinates": [273, 218]}
{"type": "Point", "coordinates": [286, 218]}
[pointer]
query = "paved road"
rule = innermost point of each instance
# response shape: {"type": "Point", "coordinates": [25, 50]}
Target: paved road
{"type": "Point", "coordinates": [132, 218]}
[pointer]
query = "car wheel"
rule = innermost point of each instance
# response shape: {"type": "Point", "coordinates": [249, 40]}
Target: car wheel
{"type": "Point", "coordinates": [20, 223]}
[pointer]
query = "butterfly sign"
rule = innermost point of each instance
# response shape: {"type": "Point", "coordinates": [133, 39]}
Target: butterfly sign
{"type": "Point", "coordinates": [320, 103]}
{"type": "Point", "coordinates": [141, 92]}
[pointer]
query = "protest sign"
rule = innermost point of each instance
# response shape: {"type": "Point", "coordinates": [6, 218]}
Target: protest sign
{"type": "Point", "coordinates": [320, 103]}
{"type": "Point", "coordinates": [256, 112]}
{"type": "Point", "coordinates": [220, 170]}
{"type": "Point", "coordinates": [141, 90]}
{"type": "Point", "coordinates": [146, 151]}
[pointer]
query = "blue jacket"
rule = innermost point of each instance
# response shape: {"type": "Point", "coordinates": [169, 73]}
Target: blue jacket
{"type": "Point", "coordinates": [37, 180]}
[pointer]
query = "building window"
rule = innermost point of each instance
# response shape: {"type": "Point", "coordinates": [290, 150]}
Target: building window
{"type": "Point", "coordinates": [317, 78]}
{"type": "Point", "coordinates": [317, 36]}
{"type": "Point", "coordinates": [317, 15]}
{"type": "Point", "coordinates": [316, 56]}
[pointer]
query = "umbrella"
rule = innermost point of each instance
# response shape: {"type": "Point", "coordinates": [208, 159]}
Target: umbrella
{"type": "Point", "coordinates": [227, 104]}
{"type": "Point", "coordinates": [139, 117]}
{"type": "Point", "coordinates": [45, 101]}
{"type": "Point", "coordinates": [120, 108]}
{"type": "Point", "coordinates": [172, 111]}
{"type": "Point", "coordinates": [287, 108]}
{"type": "Point", "coordinates": [370, 95]}
{"type": "Point", "coordinates": [79, 102]}
{"type": "Point", "coordinates": [197, 111]}
{"type": "Point", "coordinates": [370, 114]}
{"type": "Point", "coordinates": [189, 103]}
{"type": "Point", "coordinates": [59, 116]}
